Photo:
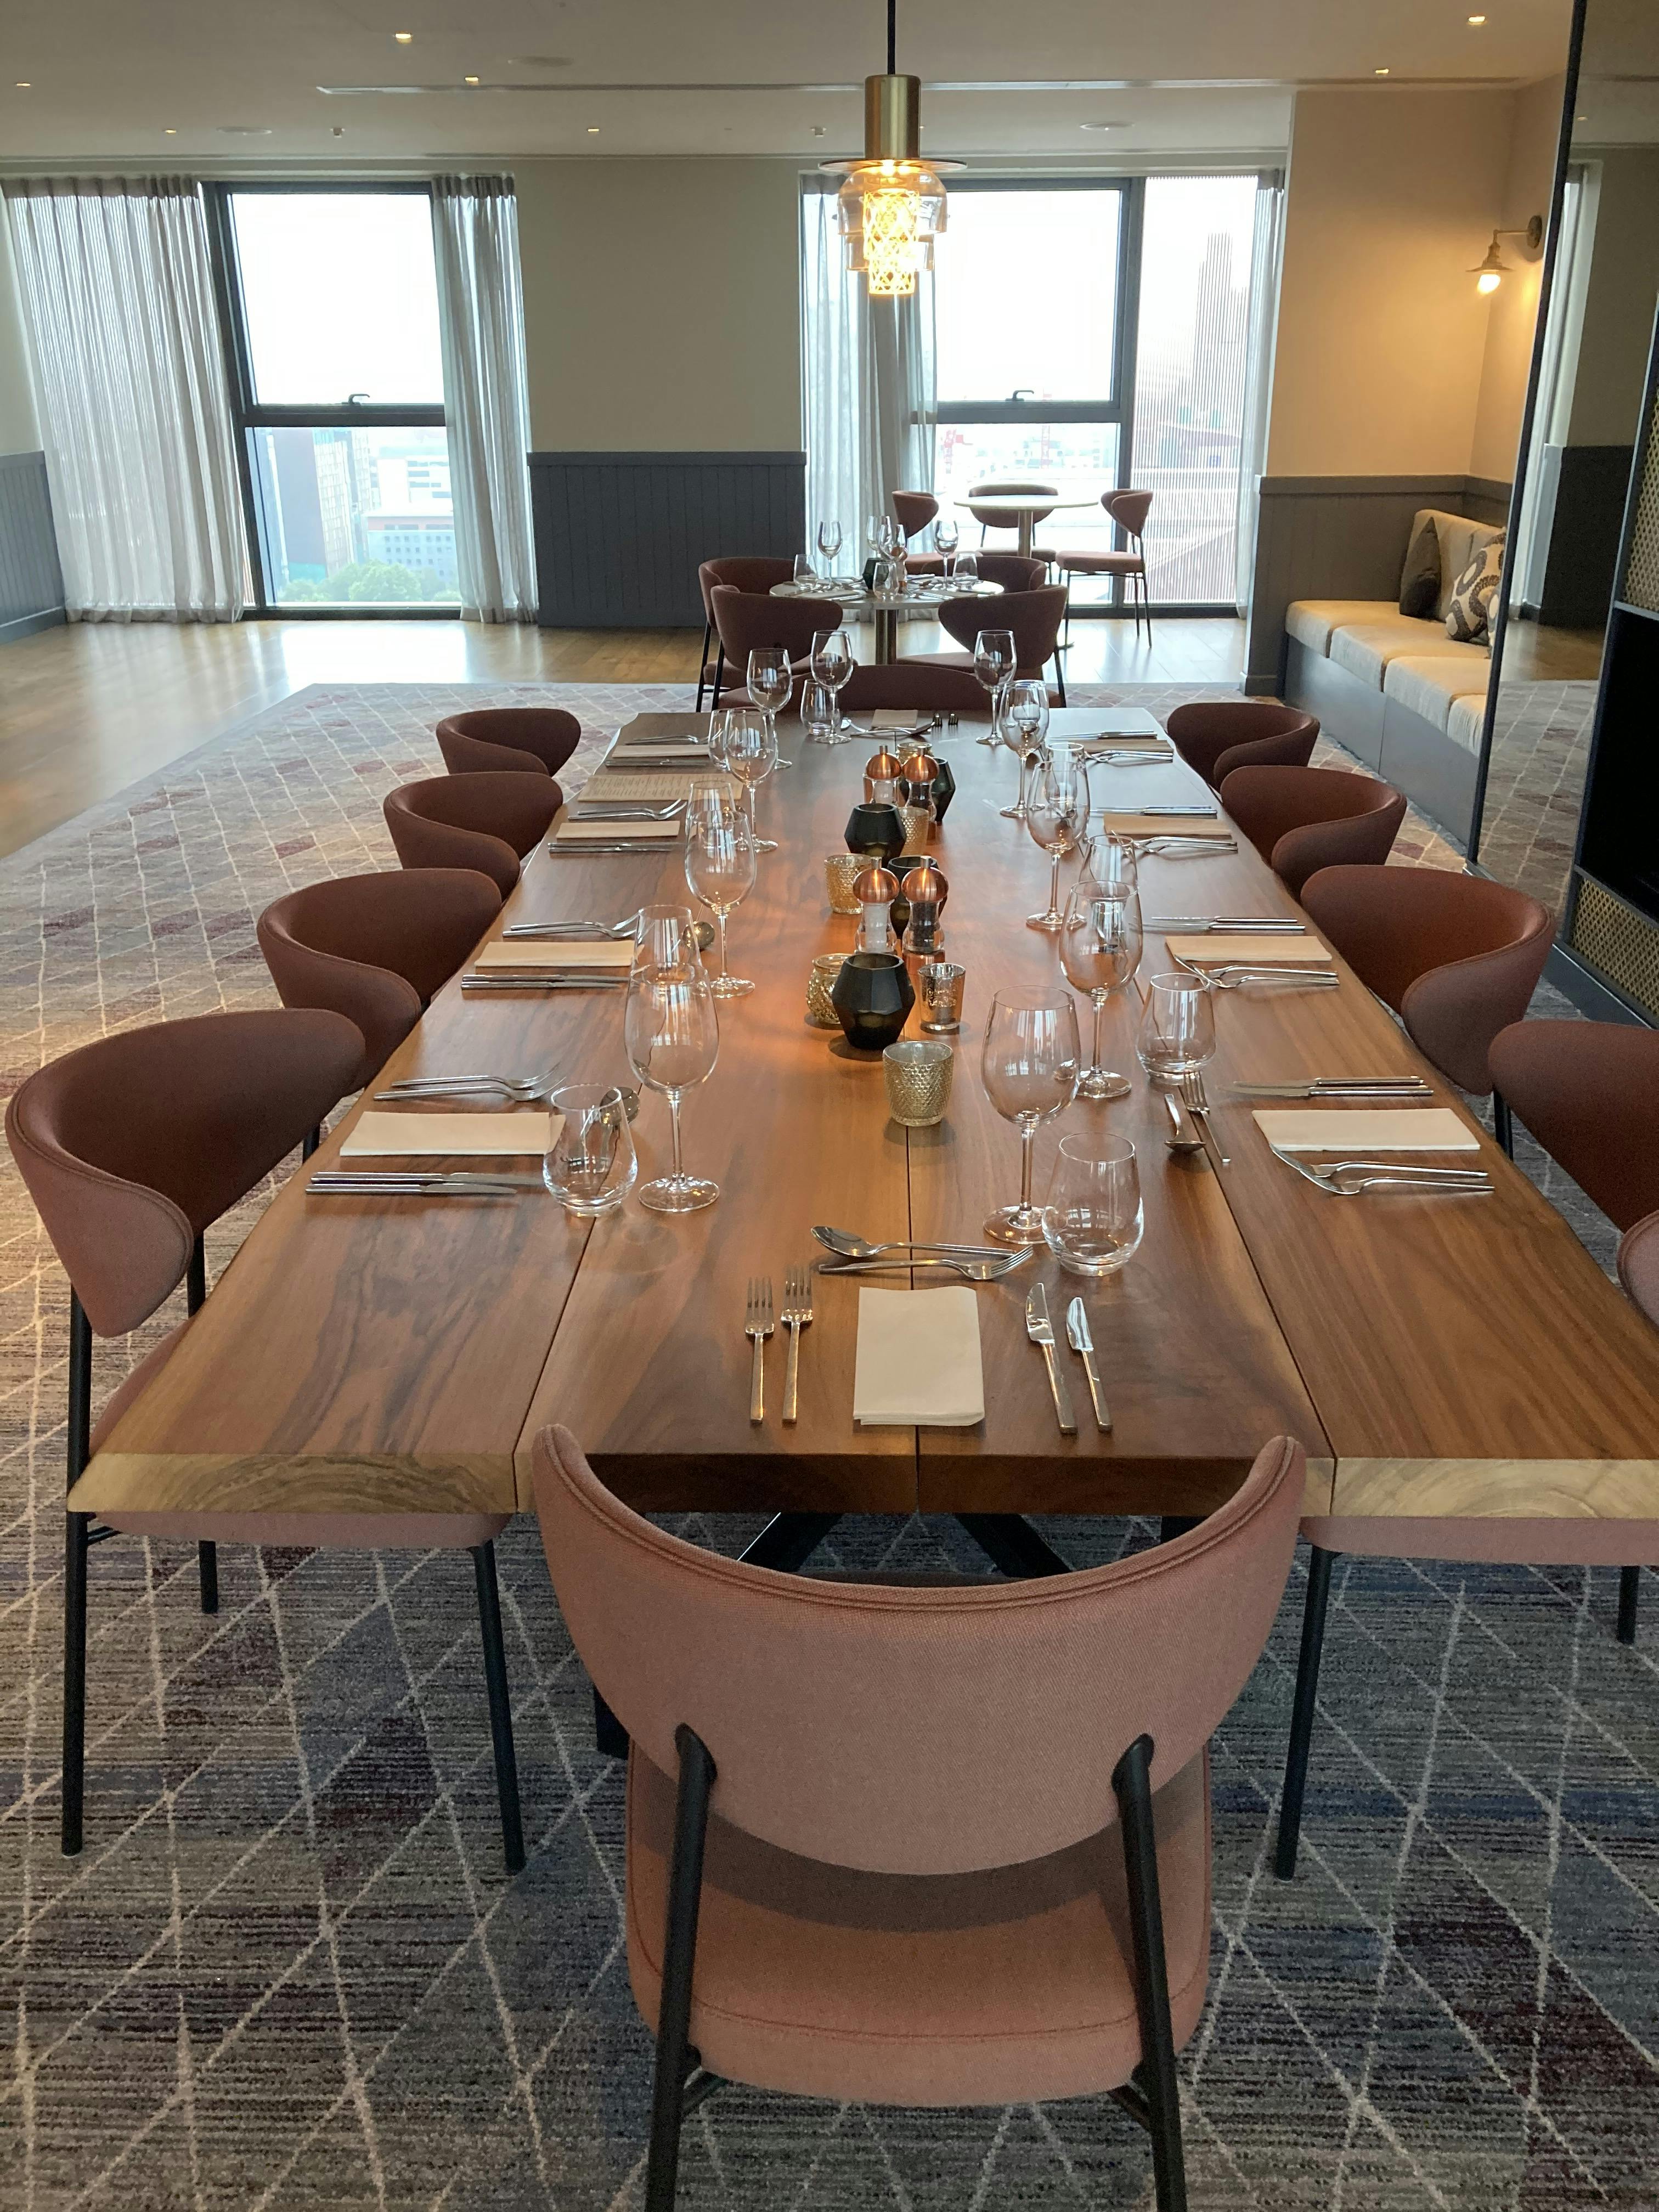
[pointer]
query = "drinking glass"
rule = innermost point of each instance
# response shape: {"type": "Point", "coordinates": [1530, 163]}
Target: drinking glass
{"type": "Point", "coordinates": [1057, 816]}
{"type": "Point", "coordinates": [1100, 951]}
{"type": "Point", "coordinates": [817, 714]}
{"type": "Point", "coordinates": [993, 664]}
{"type": "Point", "coordinates": [751, 754]}
{"type": "Point", "coordinates": [806, 576]}
{"type": "Point", "coordinates": [886, 536]}
{"type": "Point", "coordinates": [672, 1035]}
{"type": "Point", "coordinates": [1029, 1064]}
{"type": "Point", "coordinates": [590, 1166]}
{"type": "Point", "coordinates": [1177, 1027]}
{"type": "Point", "coordinates": [947, 538]}
{"type": "Point", "coordinates": [965, 567]}
{"type": "Point", "coordinates": [829, 536]}
{"type": "Point", "coordinates": [720, 871]}
{"type": "Point", "coordinates": [1093, 1221]}
{"type": "Point", "coordinates": [832, 664]}
{"type": "Point", "coordinates": [1022, 723]}
{"type": "Point", "coordinates": [1109, 865]}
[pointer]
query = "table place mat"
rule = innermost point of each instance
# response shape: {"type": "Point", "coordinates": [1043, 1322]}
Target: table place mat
{"type": "Point", "coordinates": [615, 833]}
{"type": "Point", "coordinates": [1270, 947]}
{"type": "Point", "coordinates": [1166, 825]}
{"type": "Point", "coordinates": [918, 1363]}
{"type": "Point", "coordinates": [1358, 1130]}
{"type": "Point", "coordinates": [408, 1136]}
{"type": "Point", "coordinates": [543, 952]}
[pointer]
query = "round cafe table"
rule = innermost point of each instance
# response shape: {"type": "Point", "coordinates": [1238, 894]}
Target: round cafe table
{"type": "Point", "coordinates": [1022, 510]}
{"type": "Point", "coordinates": [920, 600]}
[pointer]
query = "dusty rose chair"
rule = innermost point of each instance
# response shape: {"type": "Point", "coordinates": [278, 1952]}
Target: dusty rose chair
{"type": "Point", "coordinates": [1303, 819]}
{"type": "Point", "coordinates": [914, 511]}
{"type": "Point", "coordinates": [535, 740]}
{"type": "Point", "coordinates": [1128, 510]}
{"type": "Point", "coordinates": [1012, 571]}
{"type": "Point", "coordinates": [744, 620]}
{"type": "Point", "coordinates": [744, 572]}
{"type": "Point", "coordinates": [376, 948]}
{"type": "Point", "coordinates": [486, 822]}
{"type": "Point", "coordinates": [919, 683]}
{"type": "Point", "coordinates": [1216, 736]}
{"type": "Point", "coordinates": [856, 1870]}
{"type": "Point", "coordinates": [1033, 616]}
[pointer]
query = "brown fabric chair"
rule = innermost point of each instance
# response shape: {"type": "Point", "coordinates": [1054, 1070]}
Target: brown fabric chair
{"type": "Point", "coordinates": [988, 519]}
{"type": "Point", "coordinates": [1128, 510]}
{"type": "Point", "coordinates": [1639, 1271]}
{"type": "Point", "coordinates": [1033, 616]}
{"type": "Point", "coordinates": [487, 822]}
{"type": "Point", "coordinates": [131, 1148]}
{"type": "Point", "coordinates": [376, 948]}
{"type": "Point", "coordinates": [535, 740]}
{"type": "Point", "coordinates": [1012, 571]}
{"type": "Point", "coordinates": [744, 620]}
{"type": "Point", "coordinates": [856, 1868]}
{"type": "Point", "coordinates": [744, 572]}
{"type": "Point", "coordinates": [1457, 958]}
{"type": "Point", "coordinates": [1216, 736]}
{"type": "Point", "coordinates": [917, 683]}
{"type": "Point", "coordinates": [914, 510]}
{"type": "Point", "coordinates": [1303, 819]}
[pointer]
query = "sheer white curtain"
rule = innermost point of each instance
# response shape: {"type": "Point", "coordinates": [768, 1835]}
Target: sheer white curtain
{"type": "Point", "coordinates": [117, 296]}
{"type": "Point", "coordinates": [871, 396]}
{"type": "Point", "coordinates": [1258, 374]}
{"type": "Point", "coordinates": [475, 230]}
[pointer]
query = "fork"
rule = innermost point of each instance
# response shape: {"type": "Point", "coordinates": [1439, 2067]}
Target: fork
{"type": "Point", "coordinates": [529, 1087]}
{"type": "Point", "coordinates": [796, 1312]}
{"type": "Point", "coordinates": [1193, 1098]}
{"type": "Point", "coordinates": [757, 1326]}
{"type": "Point", "coordinates": [623, 928]}
{"type": "Point", "coordinates": [1336, 1176]}
{"type": "Point", "coordinates": [1233, 975]}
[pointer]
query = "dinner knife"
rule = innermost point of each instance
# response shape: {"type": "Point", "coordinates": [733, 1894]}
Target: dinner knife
{"type": "Point", "coordinates": [1078, 1336]}
{"type": "Point", "coordinates": [1336, 1086]}
{"type": "Point", "coordinates": [536, 979]}
{"type": "Point", "coordinates": [1222, 926]}
{"type": "Point", "coordinates": [581, 848]}
{"type": "Point", "coordinates": [1041, 1330]}
{"type": "Point", "coordinates": [1159, 813]}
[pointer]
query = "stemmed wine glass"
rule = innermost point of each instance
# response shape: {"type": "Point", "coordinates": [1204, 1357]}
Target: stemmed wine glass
{"type": "Point", "coordinates": [1057, 816]}
{"type": "Point", "coordinates": [720, 871]}
{"type": "Point", "coordinates": [947, 536]}
{"type": "Point", "coordinates": [1109, 866]}
{"type": "Point", "coordinates": [1029, 1064]}
{"type": "Point", "coordinates": [886, 536]}
{"type": "Point", "coordinates": [1100, 952]}
{"type": "Point", "coordinates": [832, 665]}
{"type": "Point", "coordinates": [830, 544]}
{"type": "Point", "coordinates": [993, 664]}
{"type": "Point", "coordinates": [1022, 723]}
{"type": "Point", "coordinates": [672, 1036]}
{"type": "Point", "coordinates": [770, 679]}
{"type": "Point", "coordinates": [750, 754]}
{"type": "Point", "coordinates": [1177, 1027]}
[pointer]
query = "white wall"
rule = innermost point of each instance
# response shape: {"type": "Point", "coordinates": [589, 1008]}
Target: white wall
{"type": "Point", "coordinates": [1512, 309]}
{"type": "Point", "coordinates": [20, 431]}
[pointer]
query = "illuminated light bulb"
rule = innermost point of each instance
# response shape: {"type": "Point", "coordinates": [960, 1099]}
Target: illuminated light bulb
{"type": "Point", "coordinates": [1488, 280]}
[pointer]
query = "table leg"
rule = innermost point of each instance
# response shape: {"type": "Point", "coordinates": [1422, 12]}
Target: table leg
{"type": "Point", "coordinates": [886, 638]}
{"type": "Point", "coordinates": [1027, 532]}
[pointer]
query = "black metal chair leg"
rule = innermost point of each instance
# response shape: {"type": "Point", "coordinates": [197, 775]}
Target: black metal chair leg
{"type": "Point", "coordinates": [1156, 2074]}
{"type": "Point", "coordinates": [1012, 1544]}
{"type": "Point", "coordinates": [1502, 1124]}
{"type": "Point", "coordinates": [702, 664]}
{"type": "Point", "coordinates": [1302, 1714]}
{"type": "Point", "coordinates": [1630, 1596]}
{"type": "Point", "coordinates": [207, 1576]}
{"type": "Point", "coordinates": [207, 1555]}
{"type": "Point", "coordinates": [719, 675]}
{"type": "Point", "coordinates": [678, 1958]}
{"type": "Point", "coordinates": [1060, 677]}
{"type": "Point", "coordinates": [500, 1709]}
{"type": "Point", "coordinates": [75, 1529]}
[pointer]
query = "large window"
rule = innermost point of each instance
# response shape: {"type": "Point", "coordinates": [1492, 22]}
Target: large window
{"type": "Point", "coordinates": [330, 305]}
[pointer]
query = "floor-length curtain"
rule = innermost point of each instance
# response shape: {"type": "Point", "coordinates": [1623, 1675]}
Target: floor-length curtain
{"type": "Point", "coordinates": [118, 297]}
{"type": "Point", "coordinates": [1258, 374]}
{"type": "Point", "coordinates": [475, 228]}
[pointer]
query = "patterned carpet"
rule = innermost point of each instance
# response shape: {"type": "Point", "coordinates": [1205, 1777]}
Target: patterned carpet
{"type": "Point", "coordinates": [288, 1972]}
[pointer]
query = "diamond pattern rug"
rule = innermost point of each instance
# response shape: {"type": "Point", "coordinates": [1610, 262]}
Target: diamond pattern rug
{"type": "Point", "coordinates": [288, 1971]}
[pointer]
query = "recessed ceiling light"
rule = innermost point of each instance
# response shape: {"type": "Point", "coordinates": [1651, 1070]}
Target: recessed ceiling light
{"type": "Point", "coordinates": [169, 132]}
{"type": "Point", "coordinates": [243, 130]}
{"type": "Point", "coordinates": [539, 60]}
{"type": "Point", "coordinates": [1581, 118]}
{"type": "Point", "coordinates": [472, 80]}
{"type": "Point", "coordinates": [404, 38]}
{"type": "Point", "coordinates": [1477, 20]}
{"type": "Point", "coordinates": [1379, 72]}
{"type": "Point", "coordinates": [23, 85]}
{"type": "Point", "coordinates": [592, 130]}
{"type": "Point", "coordinates": [1102, 126]}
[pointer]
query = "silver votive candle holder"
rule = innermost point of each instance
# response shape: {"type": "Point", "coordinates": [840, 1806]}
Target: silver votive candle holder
{"type": "Point", "coordinates": [917, 1072]}
{"type": "Point", "coordinates": [938, 990]}
{"type": "Point", "coordinates": [841, 873]}
{"type": "Point", "coordinates": [820, 982]}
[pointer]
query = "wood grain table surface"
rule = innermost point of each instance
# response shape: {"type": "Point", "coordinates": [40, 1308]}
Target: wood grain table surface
{"type": "Point", "coordinates": [1434, 1355]}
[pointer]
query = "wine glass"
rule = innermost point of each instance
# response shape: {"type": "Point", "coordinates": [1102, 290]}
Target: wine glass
{"type": "Point", "coordinates": [1100, 951]}
{"type": "Point", "coordinates": [993, 664]}
{"type": "Point", "coordinates": [947, 538]}
{"type": "Point", "coordinates": [829, 536]}
{"type": "Point", "coordinates": [750, 754]}
{"type": "Point", "coordinates": [770, 679]}
{"type": "Point", "coordinates": [832, 665]}
{"type": "Point", "coordinates": [1029, 1064]}
{"type": "Point", "coordinates": [1109, 866]}
{"type": "Point", "coordinates": [1093, 1222]}
{"type": "Point", "coordinates": [1057, 816]}
{"type": "Point", "coordinates": [817, 714]}
{"type": "Point", "coordinates": [672, 1035]}
{"type": "Point", "coordinates": [1177, 1027]}
{"type": "Point", "coordinates": [590, 1166]}
{"type": "Point", "coordinates": [1022, 723]}
{"type": "Point", "coordinates": [720, 871]}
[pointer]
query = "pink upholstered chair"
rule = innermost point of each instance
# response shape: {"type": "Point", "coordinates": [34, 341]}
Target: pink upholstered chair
{"type": "Point", "coordinates": [1303, 819]}
{"type": "Point", "coordinates": [744, 620]}
{"type": "Point", "coordinates": [917, 683]}
{"type": "Point", "coordinates": [854, 1867]}
{"type": "Point", "coordinates": [1216, 736]}
{"type": "Point", "coordinates": [914, 510]}
{"type": "Point", "coordinates": [535, 740]}
{"type": "Point", "coordinates": [486, 822]}
{"type": "Point", "coordinates": [1128, 510]}
{"type": "Point", "coordinates": [744, 572]}
{"type": "Point", "coordinates": [1033, 616]}
{"type": "Point", "coordinates": [1012, 571]}
{"type": "Point", "coordinates": [376, 948]}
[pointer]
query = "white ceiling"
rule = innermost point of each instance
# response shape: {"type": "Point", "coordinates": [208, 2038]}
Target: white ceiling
{"type": "Point", "coordinates": [109, 80]}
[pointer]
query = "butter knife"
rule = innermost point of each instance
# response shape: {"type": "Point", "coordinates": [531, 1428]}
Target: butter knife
{"type": "Point", "coordinates": [1336, 1086]}
{"type": "Point", "coordinates": [1041, 1330]}
{"type": "Point", "coordinates": [1078, 1336]}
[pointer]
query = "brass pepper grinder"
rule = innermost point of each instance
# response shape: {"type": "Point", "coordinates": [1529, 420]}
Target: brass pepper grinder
{"type": "Point", "coordinates": [927, 890]}
{"type": "Point", "coordinates": [881, 772]}
{"type": "Point", "coordinates": [875, 891]}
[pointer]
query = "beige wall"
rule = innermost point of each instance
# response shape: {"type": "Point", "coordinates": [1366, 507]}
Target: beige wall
{"type": "Point", "coordinates": [20, 431]}
{"type": "Point", "coordinates": [661, 304]}
{"type": "Point", "coordinates": [1391, 196]}
{"type": "Point", "coordinates": [1619, 297]}
{"type": "Point", "coordinates": [1512, 310]}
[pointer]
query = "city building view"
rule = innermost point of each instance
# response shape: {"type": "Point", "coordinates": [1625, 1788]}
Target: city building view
{"type": "Point", "coordinates": [356, 516]}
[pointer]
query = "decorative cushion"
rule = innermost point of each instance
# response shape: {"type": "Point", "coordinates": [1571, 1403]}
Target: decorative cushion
{"type": "Point", "coordinates": [1461, 539]}
{"type": "Point", "coordinates": [1469, 615]}
{"type": "Point", "coordinates": [1419, 580]}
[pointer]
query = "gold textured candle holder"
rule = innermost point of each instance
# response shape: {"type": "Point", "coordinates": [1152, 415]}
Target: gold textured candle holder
{"type": "Point", "coordinates": [841, 873]}
{"type": "Point", "coordinates": [820, 982]}
{"type": "Point", "coordinates": [917, 1072]}
{"type": "Point", "coordinates": [938, 991]}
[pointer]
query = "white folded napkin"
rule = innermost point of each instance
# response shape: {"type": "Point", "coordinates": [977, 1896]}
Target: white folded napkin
{"type": "Point", "coordinates": [1358, 1130]}
{"type": "Point", "coordinates": [1216, 951]}
{"type": "Point", "coordinates": [411, 1135]}
{"type": "Point", "coordinates": [1166, 825]}
{"type": "Point", "coordinates": [918, 1362]}
{"type": "Point", "coordinates": [894, 718]}
{"type": "Point", "coordinates": [615, 833]}
{"type": "Point", "coordinates": [543, 952]}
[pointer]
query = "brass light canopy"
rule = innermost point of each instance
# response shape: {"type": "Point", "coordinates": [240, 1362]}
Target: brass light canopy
{"type": "Point", "coordinates": [890, 207]}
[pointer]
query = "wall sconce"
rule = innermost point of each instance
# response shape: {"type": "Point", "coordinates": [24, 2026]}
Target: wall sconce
{"type": "Point", "coordinates": [1489, 274]}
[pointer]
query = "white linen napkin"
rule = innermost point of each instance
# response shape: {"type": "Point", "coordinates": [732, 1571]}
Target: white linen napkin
{"type": "Point", "coordinates": [1215, 951]}
{"type": "Point", "coordinates": [543, 952]}
{"type": "Point", "coordinates": [1359, 1130]}
{"type": "Point", "coordinates": [918, 1363]}
{"type": "Point", "coordinates": [410, 1135]}
{"type": "Point", "coordinates": [895, 718]}
{"type": "Point", "coordinates": [615, 833]}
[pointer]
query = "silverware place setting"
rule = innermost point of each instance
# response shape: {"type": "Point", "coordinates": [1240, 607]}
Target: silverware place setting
{"type": "Point", "coordinates": [528, 1087]}
{"type": "Point", "coordinates": [538, 979]}
{"type": "Point", "coordinates": [1195, 1099]}
{"type": "Point", "coordinates": [1041, 1330]}
{"type": "Point", "coordinates": [796, 1315]}
{"type": "Point", "coordinates": [1340, 1086]}
{"type": "Point", "coordinates": [625, 810]}
{"type": "Point", "coordinates": [376, 1183]}
{"type": "Point", "coordinates": [989, 1270]}
{"type": "Point", "coordinates": [1183, 848]}
{"type": "Point", "coordinates": [846, 1245]}
{"type": "Point", "coordinates": [1222, 924]}
{"type": "Point", "coordinates": [757, 1326]}
{"type": "Point", "coordinates": [587, 849]}
{"type": "Point", "coordinates": [1235, 975]}
{"type": "Point", "coordinates": [1078, 1336]}
{"type": "Point", "coordinates": [1183, 1134]}
{"type": "Point", "coordinates": [535, 933]}
{"type": "Point", "coordinates": [1350, 1178]}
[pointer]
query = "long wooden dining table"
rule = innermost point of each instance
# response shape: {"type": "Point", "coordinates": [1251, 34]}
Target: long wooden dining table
{"type": "Point", "coordinates": [1434, 1354]}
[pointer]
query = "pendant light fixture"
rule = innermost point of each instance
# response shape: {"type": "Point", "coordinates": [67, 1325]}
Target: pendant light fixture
{"type": "Point", "coordinates": [891, 206]}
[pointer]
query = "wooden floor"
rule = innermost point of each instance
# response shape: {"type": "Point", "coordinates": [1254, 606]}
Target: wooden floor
{"type": "Point", "coordinates": [88, 707]}
{"type": "Point", "coordinates": [1534, 652]}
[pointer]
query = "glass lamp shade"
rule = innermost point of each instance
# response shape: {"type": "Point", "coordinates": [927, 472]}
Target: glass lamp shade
{"type": "Point", "coordinates": [889, 213]}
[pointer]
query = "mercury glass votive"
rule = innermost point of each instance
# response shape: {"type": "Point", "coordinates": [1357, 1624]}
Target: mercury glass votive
{"type": "Point", "coordinates": [820, 982]}
{"type": "Point", "coordinates": [917, 1072]}
{"type": "Point", "coordinates": [938, 987]}
{"type": "Point", "coordinates": [841, 873]}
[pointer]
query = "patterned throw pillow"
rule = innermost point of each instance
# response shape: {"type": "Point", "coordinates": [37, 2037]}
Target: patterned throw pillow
{"type": "Point", "coordinates": [1468, 617]}
{"type": "Point", "coordinates": [1419, 580]}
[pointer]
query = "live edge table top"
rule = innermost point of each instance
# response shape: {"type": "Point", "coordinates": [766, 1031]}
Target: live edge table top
{"type": "Point", "coordinates": [1434, 1355]}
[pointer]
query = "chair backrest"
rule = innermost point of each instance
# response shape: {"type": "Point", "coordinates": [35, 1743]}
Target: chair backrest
{"type": "Point", "coordinates": [915, 682]}
{"type": "Point", "coordinates": [487, 822]}
{"type": "Point", "coordinates": [1015, 572]}
{"type": "Point", "coordinates": [914, 510]}
{"type": "Point", "coordinates": [1457, 957]}
{"type": "Point", "coordinates": [131, 1147]}
{"type": "Point", "coordinates": [1216, 735]}
{"type": "Point", "coordinates": [538, 740]}
{"type": "Point", "coordinates": [1034, 617]}
{"type": "Point", "coordinates": [1638, 1265]}
{"type": "Point", "coordinates": [375, 948]}
{"type": "Point", "coordinates": [913, 1730]}
{"type": "Point", "coordinates": [1129, 510]}
{"type": "Point", "coordinates": [1589, 1093]}
{"type": "Point", "coordinates": [1003, 486]}
{"type": "Point", "coordinates": [744, 572]}
{"type": "Point", "coordinates": [746, 619]}
{"type": "Point", "coordinates": [1303, 819]}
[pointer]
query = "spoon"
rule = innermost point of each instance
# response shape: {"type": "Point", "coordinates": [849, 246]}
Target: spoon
{"type": "Point", "coordinates": [972, 1271]}
{"type": "Point", "coordinates": [1181, 1137]}
{"type": "Point", "coordinates": [846, 1246]}
{"type": "Point", "coordinates": [519, 931]}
